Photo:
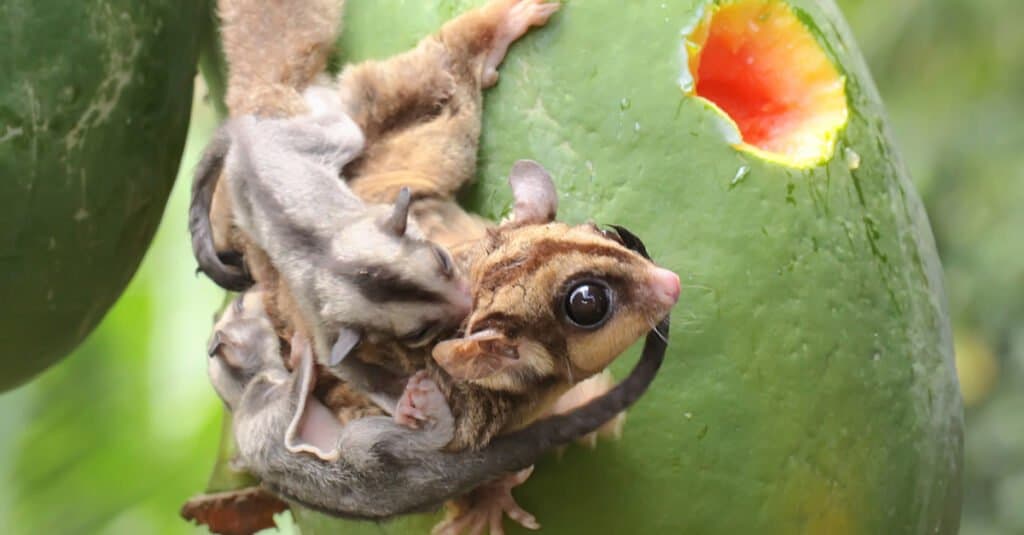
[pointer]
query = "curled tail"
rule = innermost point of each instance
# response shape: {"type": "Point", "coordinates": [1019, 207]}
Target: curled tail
{"type": "Point", "coordinates": [454, 474]}
{"type": "Point", "coordinates": [227, 270]}
{"type": "Point", "coordinates": [419, 481]}
{"type": "Point", "coordinates": [520, 449]}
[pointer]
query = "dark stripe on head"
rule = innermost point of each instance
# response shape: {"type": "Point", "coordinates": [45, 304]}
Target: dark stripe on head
{"type": "Point", "coordinates": [379, 284]}
{"type": "Point", "coordinates": [509, 270]}
{"type": "Point", "coordinates": [508, 324]}
{"type": "Point", "coordinates": [297, 235]}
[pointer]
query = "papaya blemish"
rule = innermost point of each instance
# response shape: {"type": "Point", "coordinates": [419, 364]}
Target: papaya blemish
{"type": "Point", "coordinates": [759, 65]}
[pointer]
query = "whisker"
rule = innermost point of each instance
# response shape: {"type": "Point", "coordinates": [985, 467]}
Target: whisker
{"type": "Point", "coordinates": [654, 327]}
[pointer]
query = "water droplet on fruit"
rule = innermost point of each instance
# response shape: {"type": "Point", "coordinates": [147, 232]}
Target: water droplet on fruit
{"type": "Point", "coordinates": [741, 174]}
{"type": "Point", "coordinates": [69, 94]}
{"type": "Point", "coordinates": [636, 127]}
{"type": "Point", "coordinates": [852, 159]}
{"type": "Point", "coordinates": [625, 104]}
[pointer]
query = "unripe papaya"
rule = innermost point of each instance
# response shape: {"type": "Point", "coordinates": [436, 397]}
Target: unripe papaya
{"type": "Point", "coordinates": [810, 383]}
{"type": "Point", "coordinates": [94, 108]}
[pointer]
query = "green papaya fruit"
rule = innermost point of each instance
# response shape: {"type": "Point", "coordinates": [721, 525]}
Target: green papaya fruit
{"type": "Point", "coordinates": [810, 383]}
{"type": "Point", "coordinates": [94, 108]}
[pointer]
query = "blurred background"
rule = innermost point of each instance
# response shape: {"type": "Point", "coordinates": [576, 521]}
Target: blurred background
{"type": "Point", "coordinates": [130, 402]}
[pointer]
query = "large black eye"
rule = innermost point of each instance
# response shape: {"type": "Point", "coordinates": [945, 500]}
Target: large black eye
{"type": "Point", "coordinates": [588, 304]}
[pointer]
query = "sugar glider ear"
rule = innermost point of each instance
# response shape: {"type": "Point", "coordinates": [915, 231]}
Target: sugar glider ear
{"type": "Point", "coordinates": [313, 429]}
{"type": "Point", "coordinates": [347, 340]}
{"type": "Point", "coordinates": [399, 218]}
{"type": "Point", "coordinates": [536, 201]}
{"type": "Point", "coordinates": [476, 356]}
{"type": "Point", "coordinates": [239, 344]}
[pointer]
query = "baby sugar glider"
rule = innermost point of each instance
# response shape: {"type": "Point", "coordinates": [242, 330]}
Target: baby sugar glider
{"type": "Point", "coordinates": [351, 268]}
{"type": "Point", "coordinates": [372, 467]}
{"type": "Point", "coordinates": [419, 110]}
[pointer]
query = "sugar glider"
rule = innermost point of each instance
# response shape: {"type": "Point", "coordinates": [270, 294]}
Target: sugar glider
{"type": "Point", "coordinates": [350, 267]}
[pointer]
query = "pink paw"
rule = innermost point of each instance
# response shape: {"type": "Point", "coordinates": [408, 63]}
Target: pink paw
{"type": "Point", "coordinates": [521, 16]}
{"type": "Point", "coordinates": [526, 13]}
{"type": "Point", "coordinates": [421, 402]}
{"type": "Point", "coordinates": [485, 508]}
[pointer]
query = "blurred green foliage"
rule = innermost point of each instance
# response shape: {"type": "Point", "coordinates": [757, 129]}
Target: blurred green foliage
{"type": "Point", "coordinates": [118, 436]}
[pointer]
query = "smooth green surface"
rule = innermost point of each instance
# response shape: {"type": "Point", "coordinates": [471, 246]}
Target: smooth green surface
{"type": "Point", "coordinates": [94, 107]}
{"type": "Point", "coordinates": [810, 386]}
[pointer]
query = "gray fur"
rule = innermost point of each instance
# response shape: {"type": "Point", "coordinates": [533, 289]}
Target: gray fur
{"type": "Point", "coordinates": [381, 469]}
{"type": "Point", "coordinates": [283, 176]}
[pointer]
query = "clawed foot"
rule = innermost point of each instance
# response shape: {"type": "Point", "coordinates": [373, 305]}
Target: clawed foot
{"type": "Point", "coordinates": [421, 402]}
{"type": "Point", "coordinates": [485, 507]}
{"type": "Point", "coordinates": [520, 17]}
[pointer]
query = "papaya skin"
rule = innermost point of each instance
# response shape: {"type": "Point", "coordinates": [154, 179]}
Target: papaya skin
{"type": "Point", "coordinates": [90, 140]}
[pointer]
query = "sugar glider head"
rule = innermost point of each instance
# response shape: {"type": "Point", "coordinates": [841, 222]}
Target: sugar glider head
{"type": "Point", "coordinates": [553, 301]}
{"type": "Point", "coordinates": [398, 283]}
{"type": "Point", "coordinates": [242, 348]}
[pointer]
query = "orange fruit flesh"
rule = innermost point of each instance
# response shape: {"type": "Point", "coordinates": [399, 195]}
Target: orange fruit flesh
{"type": "Point", "coordinates": [761, 66]}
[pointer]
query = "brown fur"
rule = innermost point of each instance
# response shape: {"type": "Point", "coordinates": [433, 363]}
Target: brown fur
{"type": "Point", "coordinates": [274, 49]}
{"type": "Point", "coordinates": [518, 277]}
{"type": "Point", "coordinates": [420, 111]}
{"type": "Point", "coordinates": [346, 403]}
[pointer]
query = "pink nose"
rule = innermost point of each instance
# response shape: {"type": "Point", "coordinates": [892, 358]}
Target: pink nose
{"type": "Point", "coordinates": [665, 285]}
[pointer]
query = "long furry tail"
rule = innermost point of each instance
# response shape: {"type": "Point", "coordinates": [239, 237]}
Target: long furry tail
{"type": "Point", "coordinates": [457, 473]}
{"type": "Point", "coordinates": [520, 449]}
